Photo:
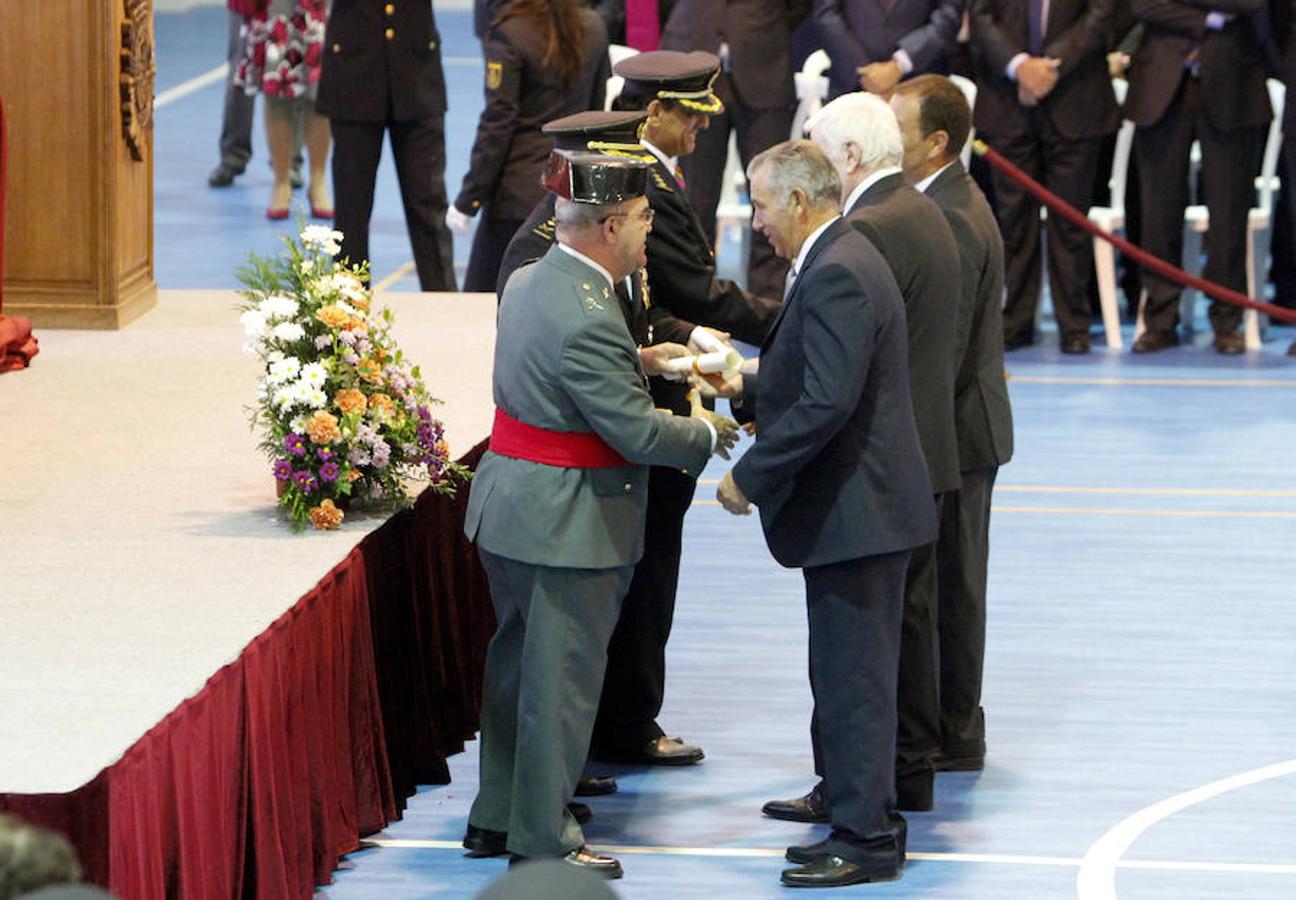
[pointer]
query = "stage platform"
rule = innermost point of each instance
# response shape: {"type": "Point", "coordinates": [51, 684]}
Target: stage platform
{"type": "Point", "coordinates": [140, 550]}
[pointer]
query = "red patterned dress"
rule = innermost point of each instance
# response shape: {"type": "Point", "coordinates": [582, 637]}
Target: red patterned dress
{"type": "Point", "coordinates": [283, 44]}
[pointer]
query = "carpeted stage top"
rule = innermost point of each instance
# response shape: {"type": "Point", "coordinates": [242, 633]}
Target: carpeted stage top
{"type": "Point", "coordinates": [139, 544]}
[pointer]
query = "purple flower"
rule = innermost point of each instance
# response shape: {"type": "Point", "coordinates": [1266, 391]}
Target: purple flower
{"type": "Point", "coordinates": [350, 359]}
{"type": "Point", "coordinates": [325, 454]}
{"type": "Point", "coordinates": [283, 470]}
{"type": "Point", "coordinates": [329, 472]}
{"type": "Point", "coordinates": [305, 481]}
{"type": "Point", "coordinates": [358, 457]}
{"type": "Point", "coordinates": [347, 337]}
{"type": "Point", "coordinates": [323, 341]}
{"type": "Point", "coordinates": [295, 444]}
{"type": "Point", "coordinates": [425, 414]}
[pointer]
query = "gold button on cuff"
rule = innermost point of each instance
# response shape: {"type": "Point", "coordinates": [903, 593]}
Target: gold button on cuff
{"type": "Point", "coordinates": [389, 9]}
{"type": "Point", "coordinates": [629, 486]}
{"type": "Point", "coordinates": [389, 33]}
{"type": "Point", "coordinates": [476, 203]}
{"type": "Point", "coordinates": [337, 48]}
{"type": "Point", "coordinates": [431, 45]}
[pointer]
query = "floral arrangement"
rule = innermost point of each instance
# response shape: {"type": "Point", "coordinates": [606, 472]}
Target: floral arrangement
{"type": "Point", "coordinates": [343, 416]}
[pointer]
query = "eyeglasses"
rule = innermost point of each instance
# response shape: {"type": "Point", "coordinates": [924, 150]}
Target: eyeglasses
{"type": "Point", "coordinates": [646, 215]}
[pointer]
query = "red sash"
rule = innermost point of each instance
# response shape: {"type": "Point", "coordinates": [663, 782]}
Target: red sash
{"type": "Point", "coordinates": [568, 449]}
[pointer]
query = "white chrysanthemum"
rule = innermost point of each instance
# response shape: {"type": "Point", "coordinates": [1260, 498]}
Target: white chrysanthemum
{"type": "Point", "coordinates": [316, 398]}
{"type": "Point", "coordinates": [288, 331]}
{"type": "Point", "coordinates": [284, 398]}
{"type": "Point", "coordinates": [284, 369]}
{"type": "Point", "coordinates": [279, 307]}
{"type": "Point", "coordinates": [314, 374]}
{"type": "Point", "coordinates": [298, 424]}
{"type": "Point", "coordinates": [307, 265]}
{"type": "Point", "coordinates": [323, 238]}
{"type": "Point", "coordinates": [349, 286]}
{"type": "Point", "coordinates": [254, 323]}
{"type": "Point", "coordinates": [274, 356]}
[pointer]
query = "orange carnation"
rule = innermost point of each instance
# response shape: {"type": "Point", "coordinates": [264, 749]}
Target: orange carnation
{"type": "Point", "coordinates": [326, 516]}
{"type": "Point", "coordinates": [333, 316]}
{"type": "Point", "coordinates": [371, 371]}
{"type": "Point", "coordinates": [350, 400]}
{"type": "Point", "coordinates": [323, 427]}
{"type": "Point", "coordinates": [354, 324]}
{"type": "Point", "coordinates": [382, 406]}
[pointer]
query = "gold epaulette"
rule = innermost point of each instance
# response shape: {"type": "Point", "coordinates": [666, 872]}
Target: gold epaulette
{"type": "Point", "coordinates": [661, 183]}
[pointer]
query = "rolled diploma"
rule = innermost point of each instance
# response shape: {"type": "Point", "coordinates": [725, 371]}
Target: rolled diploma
{"type": "Point", "coordinates": [723, 360]}
{"type": "Point", "coordinates": [707, 341]}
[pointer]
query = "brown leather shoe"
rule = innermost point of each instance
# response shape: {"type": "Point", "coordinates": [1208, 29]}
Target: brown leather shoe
{"type": "Point", "coordinates": [813, 807]}
{"type": "Point", "coordinates": [833, 871]}
{"type": "Point", "coordinates": [1153, 341]}
{"type": "Point", "coordinates": [595, 785]}
{"type": "Point", "coordinates": [1230, 343]}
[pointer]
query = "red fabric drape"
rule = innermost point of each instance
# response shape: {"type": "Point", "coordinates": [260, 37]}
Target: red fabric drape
{"type": "Point", "coordinates": [17, 346]}
{"type": "Point", "coordinates": [312, 738]}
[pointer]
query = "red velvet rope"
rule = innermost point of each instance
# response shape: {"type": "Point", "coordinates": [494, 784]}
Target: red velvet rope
{"type": "Point", "coordinates": [1142, 257]}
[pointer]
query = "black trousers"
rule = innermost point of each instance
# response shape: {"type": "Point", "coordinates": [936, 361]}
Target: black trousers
{"type": "Point", "coordinates": [758, 130]}
{"type": "Point", "coordinates": [236, 115]}
{"type": "Point", "coordinates": [854, 610]}
{"type": "Point", "coordinates": [962, 552]}
{"type": "Point", "coordinates": [1229, 163]}
{"type": "Point", "coordinates": [489, 243]}
{"type": "Point", "coordinates": [1066, 167]}
{"type": "Point", "coordinates": [418, 149]}
{"type": "Point", "coordinates": [918, 735]}
{"type": "Point", "coordinates": [635, 680]}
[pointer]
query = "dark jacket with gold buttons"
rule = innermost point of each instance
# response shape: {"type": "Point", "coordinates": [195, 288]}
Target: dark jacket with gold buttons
{"type": "Point", "coordinates": [382, 62]}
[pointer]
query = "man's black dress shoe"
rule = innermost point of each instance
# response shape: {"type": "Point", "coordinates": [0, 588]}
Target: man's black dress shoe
{"type": "Point", "coordinates": [1075, 343]}
{"type": "Point", "coordinates": [580, 812]}
{"type": "Point", "coordinates": [585, 858]}
{"type": "Point", "coordinates": [914, 791]}
{"type": "Point", "coordinates": [1291, 351]}
{"type": "Point", "coordinates": [482, 842]}
{"type": "Point", "coordinates": [595, 785]}
{"type": "Point", "coordinates": [833, 871]}
{"type": "Point", "coordinates": [1152, 341]}
{"type": "Point", "coordinates": [662, 751]}
{"type": "Point", "coordinates": [1017, 341]}
{"type": "Point", "coordinates": [813, 807]}
{"type": "Point", "coordinates": [1230, 343]}
{"type": "Point", "coordinates": [802, 854]}
{"type": "Point", "coordinates": [223, 176]}
{"type": "Point", "coordinates": [959, 763]}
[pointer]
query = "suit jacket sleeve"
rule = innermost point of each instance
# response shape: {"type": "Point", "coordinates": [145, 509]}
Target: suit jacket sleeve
{"type": "Point", "coordinates": [929, 43]}
{"type": "Point", "coordinates": [495, 128]}
{"type": "Point", "coordinates": [667, 329]}
{"type": "Point", "coordinates": [844, 49]}
{"type": "Point", "coordinates": [838, 331]}
{"type": "Point", "coordinates": [1172, 16]}
{"type": "Point", "coordinates": [1086, 36]}
{"type": "Point", "coordinates": [996, 44]}
{"type": "Point", "coordinates": [601, 374]}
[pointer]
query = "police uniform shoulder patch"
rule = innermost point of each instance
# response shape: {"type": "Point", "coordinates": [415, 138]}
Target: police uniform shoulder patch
{"type": "Point", "coordinates": [494, 75]}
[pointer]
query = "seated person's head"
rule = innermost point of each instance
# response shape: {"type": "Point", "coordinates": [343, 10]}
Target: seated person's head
{"type": "Point", "coordinates": [32, 857]}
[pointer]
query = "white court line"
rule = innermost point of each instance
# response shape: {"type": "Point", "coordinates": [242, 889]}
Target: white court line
{"type": "Point", "coordinates": [1002, 859]}
{"type": "Point", "coordinates": [185, 88]}
{"type": "Point", "coordinates": [1167, 492]}
{"type": "Point", "coordinates": [1154, 382]}
{"type": "Point", "coordinates": [400, 272]}
{"type": "Point", "coordinates": [1096, 879]}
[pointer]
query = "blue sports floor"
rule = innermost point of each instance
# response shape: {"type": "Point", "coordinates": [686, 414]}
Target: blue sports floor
{"type": "Point", "coordinates": [1141, 670]}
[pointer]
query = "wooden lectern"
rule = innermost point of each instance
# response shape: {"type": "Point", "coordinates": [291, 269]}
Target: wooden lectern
{"type": "Point", "coordinates": [77, 82]}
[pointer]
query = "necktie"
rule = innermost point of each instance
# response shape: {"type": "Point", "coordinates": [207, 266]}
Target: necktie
{"type": "Point", "coordinates": [643, 27]}
{"type": "Point", "coordinates": [679, 175]}
{"type": "Point", "coordinates": [1035, 27]}
{"type": "Point", "coordinates": [791, 280]}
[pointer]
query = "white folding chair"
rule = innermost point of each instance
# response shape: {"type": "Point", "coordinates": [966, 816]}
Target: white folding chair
{"type": "Point", "coordinates": [1259, 229]}
{"type": "Point", "coordinates": [969, 89]}
{"type": "Point", "coordinates": [1111, 219]}
{"type": "Point", "coordinates": [811, 90]}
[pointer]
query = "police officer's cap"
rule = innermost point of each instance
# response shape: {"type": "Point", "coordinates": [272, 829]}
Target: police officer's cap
{"type": "Point", "coordinates": [594, 177]}
{"type": "Point", "coordinates": [685, 78]}
{"type": "Point", "coordinates": [616, 133]}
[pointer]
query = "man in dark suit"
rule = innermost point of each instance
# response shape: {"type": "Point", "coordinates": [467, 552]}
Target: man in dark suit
{"type": "Point", "coordinates": [934, 122]}
{"type": "Point", "coordinates": [1045, 101]}
{"type": "Point", "coordinates": [1198, 75]}
{"type": "Point", "coordinates": [843, 494]}
{"type": "Point", "coordinates": [875, 43]}
{"type": "Point", "coordinates": [753, 39]}
{"type": "Point", "coordinates": [858, 133]}
{"type": "Point", "coordinates": [382, 74]}
{"type": "Point", "coordinates": [575, 431]}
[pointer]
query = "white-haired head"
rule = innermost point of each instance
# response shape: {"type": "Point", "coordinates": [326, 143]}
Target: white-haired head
{"type": "Point", "coordinates": [859, 133]}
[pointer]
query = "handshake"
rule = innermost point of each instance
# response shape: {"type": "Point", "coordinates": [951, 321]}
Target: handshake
{"type": "Point", "coordinates": [710, 365]}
